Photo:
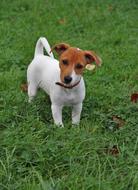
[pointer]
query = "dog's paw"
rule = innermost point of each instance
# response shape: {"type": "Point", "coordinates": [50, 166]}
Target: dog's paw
{"type": "Point", "coordinates": [75, 125]}
{"type": "Point", "coordinates": [60, 125]}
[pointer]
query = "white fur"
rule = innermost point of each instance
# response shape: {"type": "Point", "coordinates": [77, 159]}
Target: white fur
{"type": "Point", "coordinates": [44, 72]}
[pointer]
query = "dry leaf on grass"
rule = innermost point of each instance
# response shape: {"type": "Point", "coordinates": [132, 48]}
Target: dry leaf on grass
{"type": "Point", "coordinates": [134, 97]}
{"type": "Point", "coordinates": [110, 8]}
{"type": "Point", "coordinates": [24, 87]}
{"type": "Point", "coordinates": [114, 151]}
{"type": "Point", "coordinates": [62, 21]}
{"type": "Point", "coordinates": [119, 121]}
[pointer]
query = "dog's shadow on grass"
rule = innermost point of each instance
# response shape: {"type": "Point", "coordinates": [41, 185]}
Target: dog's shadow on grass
{"type": "Point", "coordinates": [42, 109]}
{"type": "Point", "coordinates": [43, 104]}
{"type": "Point", "coordinates": [45, 113]}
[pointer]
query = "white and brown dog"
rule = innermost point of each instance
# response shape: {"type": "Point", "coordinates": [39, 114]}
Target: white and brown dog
{"type": "Point", "coordinates": [62, 80]}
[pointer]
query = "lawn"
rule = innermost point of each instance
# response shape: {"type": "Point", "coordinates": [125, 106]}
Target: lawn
{"type": "Point", "coordinates": [100, 154]}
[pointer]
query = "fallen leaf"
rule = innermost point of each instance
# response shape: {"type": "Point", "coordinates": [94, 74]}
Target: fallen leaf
{"type": "Point", "coordinates": [24, 87]}
{"type": "Point", "coordinates": [110, 8]}
{"type": "Point", "coordinates": [62, 21]}
{"type": "Point", "coordinates": [119, 121]}
{"type": "Point", "coordinates": [114, 151]}
{"type": "Point", "coordinates": [134, 97]}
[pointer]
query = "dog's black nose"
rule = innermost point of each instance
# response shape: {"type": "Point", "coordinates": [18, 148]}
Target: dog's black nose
{"type": "Point", "coordinates": [67, 79]}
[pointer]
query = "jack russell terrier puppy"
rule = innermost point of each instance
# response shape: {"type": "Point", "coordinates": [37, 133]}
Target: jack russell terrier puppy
{"type": "Point", "coordinates": [62, 80]}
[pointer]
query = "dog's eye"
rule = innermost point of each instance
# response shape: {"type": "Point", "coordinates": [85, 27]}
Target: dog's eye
{"type": "Point", "coordinates": [79, 66]}
{"type": "Point", "coordinates": [65, 62]}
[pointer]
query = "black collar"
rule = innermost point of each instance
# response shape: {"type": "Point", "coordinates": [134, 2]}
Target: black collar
{"type": "Point", "coordinates": [69, 87]}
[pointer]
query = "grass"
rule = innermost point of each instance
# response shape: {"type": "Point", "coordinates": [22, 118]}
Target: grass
{"type": "Point", "coordinates": [34, 154]}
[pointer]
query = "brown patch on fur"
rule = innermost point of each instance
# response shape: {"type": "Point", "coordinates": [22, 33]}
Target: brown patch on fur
{"type": "Point", "coordinates": [60, 48]}
{"type": "Point", "coordinates": [24, 87]}
{"type": "Point", "coordinates": [92, 57]}
{"type": "Point", "coordinates": [74, 59]}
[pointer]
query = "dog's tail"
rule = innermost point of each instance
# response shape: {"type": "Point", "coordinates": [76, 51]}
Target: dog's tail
{"type": "Point", "coordinates": [40, 45]}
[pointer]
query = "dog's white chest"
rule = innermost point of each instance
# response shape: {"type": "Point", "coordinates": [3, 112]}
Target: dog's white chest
{"type": "Point", "coordinates": [68, 97]}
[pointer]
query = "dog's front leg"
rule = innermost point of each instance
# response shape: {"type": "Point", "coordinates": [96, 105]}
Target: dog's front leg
{"type": "Point", "coordinates": [57, 114]}
{"type": "Point", "coordinates": [76, 113]}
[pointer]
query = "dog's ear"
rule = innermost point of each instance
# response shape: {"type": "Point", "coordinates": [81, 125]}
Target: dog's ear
{"type": "Point", "coordinates": [90, 57]}
{"type": "Point", "coordinates": [60, 48]}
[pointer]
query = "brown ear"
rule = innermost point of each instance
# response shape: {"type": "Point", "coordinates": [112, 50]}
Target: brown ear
{"type": "Point", "coordinates": [60, 48]}
{"type": "Point", "coordinates": [90, 56]}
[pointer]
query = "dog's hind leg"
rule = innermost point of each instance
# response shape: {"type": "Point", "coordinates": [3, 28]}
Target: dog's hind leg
{"type": "Point", "coordinates": [32, 90]}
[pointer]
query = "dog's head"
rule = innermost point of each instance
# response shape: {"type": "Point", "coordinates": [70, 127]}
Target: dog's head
{"type": "Point", "coordinates": [72, 62]}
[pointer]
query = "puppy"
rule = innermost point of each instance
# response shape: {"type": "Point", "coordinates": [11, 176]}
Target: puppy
{"type": "Point", "coordinates": [62, 80]}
